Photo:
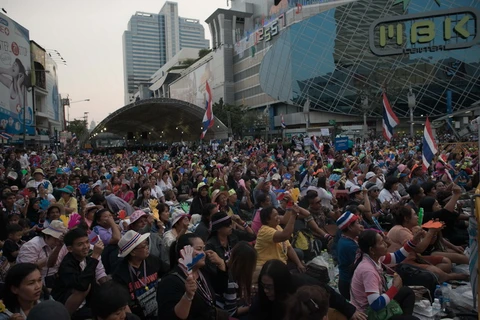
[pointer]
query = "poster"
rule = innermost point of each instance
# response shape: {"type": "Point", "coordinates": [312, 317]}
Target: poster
{"type": "Point", "coordinates": [15, 78]}
{"type": "Point", "coordinates": [53, 99]}
{"type": "Point", "coordinates": [341, 143]}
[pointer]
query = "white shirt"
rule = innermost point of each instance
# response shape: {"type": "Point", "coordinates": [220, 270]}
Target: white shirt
{"type": "Point", "coordinates": [156, 192]}
{"type": "Point", "coordinates": [385, 195]}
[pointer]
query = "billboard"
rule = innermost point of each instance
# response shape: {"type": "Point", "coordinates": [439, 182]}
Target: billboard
{"type": "Point", "coordinates": [53, 98]}
{"type": "Point", "coordinates": [15, 78]}
{"type": "Point", "coordinates": [191, 88]}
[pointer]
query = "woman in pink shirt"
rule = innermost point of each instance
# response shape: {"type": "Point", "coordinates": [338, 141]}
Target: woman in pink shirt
{"type": "Point", "coordinates": [369, 287]}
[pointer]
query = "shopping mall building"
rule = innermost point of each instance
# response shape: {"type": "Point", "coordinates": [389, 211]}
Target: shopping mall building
{"type": "Point", "coordinates": [322, 63]}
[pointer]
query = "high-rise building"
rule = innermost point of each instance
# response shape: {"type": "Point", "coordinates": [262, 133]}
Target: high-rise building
{"type": "Point", "coordinates": [152, 39]}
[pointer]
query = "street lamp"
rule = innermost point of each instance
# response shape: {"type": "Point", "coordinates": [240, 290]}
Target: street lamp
{"type": "Point", "coordinates": [67, 102]}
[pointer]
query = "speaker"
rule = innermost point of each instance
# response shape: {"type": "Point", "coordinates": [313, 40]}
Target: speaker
{"type": "Point", "coordinates": [129, 135]}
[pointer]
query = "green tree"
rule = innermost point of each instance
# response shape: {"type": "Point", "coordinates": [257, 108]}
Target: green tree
{"type": "Point", "coordinates": [203, 52]}
{"type": "Point", "coordinates": [236, 113]}
{"type": "Point", "coordinates": [78, 127]}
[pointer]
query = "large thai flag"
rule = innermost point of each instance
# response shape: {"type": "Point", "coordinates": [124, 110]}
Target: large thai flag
{"type": "Point", "coordinates": [429, 146]}
{"type": "Point", "coordinates": [207, 122]}
{"type": "Point", "coordinates": [390, 120]}
{"type": "Point", "coordinates": [316, 145]}
{"type": "Point", "coordinates": [283, 123]}
{"type": "Point", "coordinates": [6, 136]}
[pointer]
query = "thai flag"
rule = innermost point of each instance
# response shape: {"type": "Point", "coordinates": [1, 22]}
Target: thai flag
{"type": "Point", "coordinates": [316, 145]}
{"type": "Point", "coordinates": [283, 123]}
{"type": "Point", "coordinates": [5, 136]}
{"type": "Point", "coordinates": [74, 137]}
{"type": "Point", "coordinates": [429, 146]}
{"type": "Point", "coordinates": [390, 120]}
{"type": "Point", "coordinates": [208, 117]}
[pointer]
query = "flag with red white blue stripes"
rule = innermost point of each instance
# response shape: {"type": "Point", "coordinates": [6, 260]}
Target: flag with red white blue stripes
{"type": "Point", "coordinates": [390, 120]}
{"type": "Point", "coordinates": [6, 136]}
{"type": "Point", "coordinates": [207, 122]}
{"type": "Point", "coordinates": [283, 123]}
{"type": "Point", "coordinates": [429, 145]}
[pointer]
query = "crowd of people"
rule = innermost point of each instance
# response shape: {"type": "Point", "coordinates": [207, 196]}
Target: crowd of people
{"type": "Point", "coordinates": [229, 230]}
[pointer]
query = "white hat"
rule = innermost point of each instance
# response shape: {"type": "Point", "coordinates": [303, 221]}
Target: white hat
{"type": "Point", "coordinates": [130, 241]}
{"type": "Point", "coordinates": [178, 216]}
{"type": "Point", "coordinates": [33, 153]}
{"type": "Point", "coordinates": [90, 206]}
{"type": "Point", "coordinates": [354, 189]}
{"type": "Point", "coordinates": [370, 175]}
{"type": "Point", "coordinates": [276, 176]}
{"type": "Point", "coordinates": [97, 184]}
{"type": "Point", "coordinates": [55, 229]}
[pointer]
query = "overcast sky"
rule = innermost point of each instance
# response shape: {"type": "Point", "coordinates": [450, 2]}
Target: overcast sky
{"type": "Point", "coordinates": [88, 34]}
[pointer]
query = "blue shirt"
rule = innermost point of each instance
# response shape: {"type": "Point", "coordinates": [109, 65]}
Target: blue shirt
{"type": "Point", "coordinates": [346, 251]}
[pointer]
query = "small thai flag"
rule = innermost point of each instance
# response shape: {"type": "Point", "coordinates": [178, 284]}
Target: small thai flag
{"type": "Point", "coordinates": [74, 137]}
{"type": "Point", "coordinates": [5, 136]}
{"type": "Point", "coordinates": [207, 122]}
{"type": "Point", "coordinates": [390, 120]}
{"type": "Point", "coordinates": [283, 123]}
{"type": "Point", "coordinates": [429, 146]}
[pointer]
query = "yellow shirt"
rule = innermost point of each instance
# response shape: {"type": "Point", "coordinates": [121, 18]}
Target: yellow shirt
{"type": "Point", "coordinates": [72, 203]}
{"type": "Point", "coordinates": [267, 249]}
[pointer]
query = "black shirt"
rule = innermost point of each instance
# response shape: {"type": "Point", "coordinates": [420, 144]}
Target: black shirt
{"type": "Point", "coordinates": [10, 247]}
{"type": "Point", "coordinates": [172, 288]}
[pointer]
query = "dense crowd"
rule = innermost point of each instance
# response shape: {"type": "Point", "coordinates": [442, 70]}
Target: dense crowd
{"type": "Point", "coordinates": [230, 230]}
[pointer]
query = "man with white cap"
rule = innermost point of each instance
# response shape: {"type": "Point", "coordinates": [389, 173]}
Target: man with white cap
{"type": "Point", "coordinates": [347, 246]}
{"type": "Point", "coordinates": [43, 250]}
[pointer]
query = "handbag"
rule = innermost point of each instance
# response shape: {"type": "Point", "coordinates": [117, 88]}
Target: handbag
{"type": "Point", "coordinates": [392, 309]}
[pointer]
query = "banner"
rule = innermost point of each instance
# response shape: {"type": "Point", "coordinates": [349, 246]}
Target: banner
{"type": "Point", "coordinates": [15, 78]}
{"type": "Point", "coordinates": [53, 98]}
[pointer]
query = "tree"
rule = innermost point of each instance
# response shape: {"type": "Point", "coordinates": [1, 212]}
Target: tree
{"type": "Point", "coordinates": [78, 127]}
{"type": "Point", "coordinates": [203, 52]}
{"type": "Point", "coordinates": [236, 113]}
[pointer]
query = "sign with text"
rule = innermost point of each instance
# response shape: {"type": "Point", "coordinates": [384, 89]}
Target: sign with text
{"type": "Point", "coordinates": [425, 32]}
{"type": "Point", "coordinates": [341, 143]}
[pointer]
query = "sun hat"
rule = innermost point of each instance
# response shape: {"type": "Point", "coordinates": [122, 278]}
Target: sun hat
{"type": "Point", "coordinates": [49, 309]}
{"type": "Point", "coordinates": [55, 229]}
{"type": "Point", "coordinates": [276, 176]}
{"type": "Point", "coordinates": [401, 167]}
{"type": "Point", "coordinates": [14, 188]}
{"type": "Point", "coordinates": [98, 183]}
{"type": "Point", "coordinates": [90, 206]}
{"type": "Point", "coordinates": [68, 189]}
{"type": "Point", "coordinates": [12, 175]}
{"type": "Point", "coordinates": [38, 171]}
{"type": "Point", "coordinates": [177, 216]}
{"type": "Point", "coordinates": [216, 193]}
{"type": "Point", "coordinates": [201, 185]}
{"type": "Point", "coordinates": [354, 189]}
{"type": "Point", "coordinates": [232, 192]}
{"type": "Point", "coordinates": [130, 241]}
{"type": "Point", "coordinates": [346, 219]}
{"type": "Point", "coordinates": [33, 153]}
{"type": "Point", "coordinates": [137, 214]}
{"type": "Point", "coordinates": [370, 175]}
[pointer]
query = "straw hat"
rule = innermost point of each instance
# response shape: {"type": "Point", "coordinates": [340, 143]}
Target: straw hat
{"type": "Point", "coordinates": [55, 229]}
{"type": "Point", "coordinates": [130, 241]}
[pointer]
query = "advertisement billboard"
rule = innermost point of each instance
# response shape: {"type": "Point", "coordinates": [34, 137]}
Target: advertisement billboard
{"type": "Point", "coordinates": [191, 88]}
{"type": "Point", "coordinates": [15, 78]}
{"type": "Point", "coordinates": [53, 99]}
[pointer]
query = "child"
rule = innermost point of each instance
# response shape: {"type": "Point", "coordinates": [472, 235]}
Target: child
{"type": "Point", "coordinates": [13, 219]}
{"type": "Point", "coordinates": [12, 244]}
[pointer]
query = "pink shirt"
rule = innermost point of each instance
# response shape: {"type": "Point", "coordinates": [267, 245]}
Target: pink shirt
{"type": "Point", "coordinates": [34, 251]}
{"type": "Point", "coordinates": [257, 222]}
{"type": "Point", "coordinates": [366, 279]}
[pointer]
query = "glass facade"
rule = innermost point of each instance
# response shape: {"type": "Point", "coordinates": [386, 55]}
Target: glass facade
{"type": "Point", "coordinates": [340, 60]}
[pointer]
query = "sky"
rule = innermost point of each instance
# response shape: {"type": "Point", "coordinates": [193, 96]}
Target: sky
{"type": "Point", "coordinates": [88, 35]}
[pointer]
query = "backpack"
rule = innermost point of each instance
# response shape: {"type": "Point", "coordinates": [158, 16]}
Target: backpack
{"type": "Point", "coordinates": [304, 240]}
{"type": "Point", "coordinates": [414, 276]}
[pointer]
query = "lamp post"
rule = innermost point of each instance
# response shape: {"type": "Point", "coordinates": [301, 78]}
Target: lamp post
{"type": "Point", "coordinates": [67, 102]}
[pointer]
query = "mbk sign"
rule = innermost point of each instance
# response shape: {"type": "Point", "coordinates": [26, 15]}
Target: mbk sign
{"type": "Point", "coordinates": [425, 32]}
